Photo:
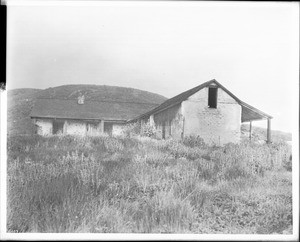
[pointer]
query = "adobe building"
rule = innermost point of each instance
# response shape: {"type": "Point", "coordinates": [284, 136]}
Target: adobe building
{"type": "Point", "coordinates": [83, 117]}
{"type": "Point", "coordinates": [209, 111]}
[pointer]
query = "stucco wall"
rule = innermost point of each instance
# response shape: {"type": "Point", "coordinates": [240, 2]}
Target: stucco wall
{"type": "Point", "coordinates": [172, 119]}
{"type": "Point", "coordinates": [44, 126]}
{"type": "Point", "coordinates": [93, 129]}
{"type": "Point", "coordinates": [117, 129]}
{"type": "Point", "coordinates": [76, 128]}
{"type": "Point", "coordinates": [71, 127]}
{"type": "Point", "coordinates": [215, 125]}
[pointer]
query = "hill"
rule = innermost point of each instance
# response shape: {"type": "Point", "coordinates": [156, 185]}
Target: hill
{"type": "Point", "coordinates": [19, 105]}
{"type": "Point", "coordinates": [103, 92]}
{"type": "Point", "coordinates": [21, 101]}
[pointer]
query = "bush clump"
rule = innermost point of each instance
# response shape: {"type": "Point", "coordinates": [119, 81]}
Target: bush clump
{"type": "Point", "coordinates": [137, 184]}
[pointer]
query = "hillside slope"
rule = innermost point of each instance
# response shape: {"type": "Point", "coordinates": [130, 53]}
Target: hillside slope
{"type": "Point", "coordinates": [21, 101]}
{"type": "Point", "coordinates": [19, 105]}
{"type": "Point", "coordinates": [103, 92]}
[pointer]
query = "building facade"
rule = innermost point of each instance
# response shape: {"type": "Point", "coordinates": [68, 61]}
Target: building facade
{"type": "Point", "coordinates": [83, 117]}
{"type": "Point", "coordinates": [82, 127]}
{"type": "Point", "coordinates": [209, 111]}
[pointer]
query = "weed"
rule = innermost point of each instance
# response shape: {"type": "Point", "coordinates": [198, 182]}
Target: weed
{"type": "Point", "coordinates": [137, 184]}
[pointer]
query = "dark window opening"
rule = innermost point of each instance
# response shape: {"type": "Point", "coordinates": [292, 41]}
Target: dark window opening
{"type": "Point", "coordinates": [108, 127]}
{"type": "Point", "coordinates": [58, 127]}
{"type": "Point", "coordinates": [212, 97]}
{"type": "Point", "coordinates": [37, 129]}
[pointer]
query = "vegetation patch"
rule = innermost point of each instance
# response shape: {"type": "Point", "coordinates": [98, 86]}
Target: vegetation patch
{"type": "Point", "coordinates": [136, 184]}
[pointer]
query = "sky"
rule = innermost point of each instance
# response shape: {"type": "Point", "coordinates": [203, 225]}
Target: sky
{"type": "Point", "coordinates": [251, 48]}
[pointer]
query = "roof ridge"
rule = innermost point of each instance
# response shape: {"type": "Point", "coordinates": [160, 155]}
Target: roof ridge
{"type": "Point", "coordinates": [184, 95]}
{"type": "Point", "coordinates": [94, 100]}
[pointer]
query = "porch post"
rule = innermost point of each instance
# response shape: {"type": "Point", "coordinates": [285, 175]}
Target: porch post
{"type": "Point", "coordinates": [182, 131]}
{"type": "Point", "coordinates": [269, 131]}
{"type": "Point", "coordinates": [65, 127]}
{"type": "Point", "coordinates": [250, 130]}
{"type": "Point", "coordinates": [102, 126]}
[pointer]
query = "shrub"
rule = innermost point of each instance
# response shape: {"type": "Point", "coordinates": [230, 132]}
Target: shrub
{"type": "Point", "coordinates": [140, 184]}
{"type": "Point", "coordinates": [193, 141]}
{"type": "Point", "coordinates": [148, 130]}
{"type": "Point", "coordinates": [131, 130]}
{"type": "Point", "coordinates": [164, 213]}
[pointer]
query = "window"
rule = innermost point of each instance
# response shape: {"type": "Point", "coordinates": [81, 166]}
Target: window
{"type": "Point", "coordinates": [108, 127]}
{"type": "Point", "coordinates": [58, 127]}
{"type": "Point", "coordinates": [212, 97]}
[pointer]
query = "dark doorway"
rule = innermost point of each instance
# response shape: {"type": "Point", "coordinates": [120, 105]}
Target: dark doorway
{"type": "Point", "coordinates": [108, 128]}
{"type": "Point", "coordinates": [58, 127]}
{"type": "Point", "coordinates": [212, 97]}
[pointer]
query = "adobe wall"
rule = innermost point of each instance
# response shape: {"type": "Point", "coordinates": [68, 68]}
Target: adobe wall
{"type": "Point", "coordinates": [173, 121]}
{"type": "Point", "coordinates": [71, 127]}
{"type": "Point", "coordinates": [75, 128]}
{"type": "Point", "coordinates": [94, 130]}
{"type": "Point", "coordinates": [118, 129]}
{"type": "Point", "coordinates": [44, 126]}
{"type": "Point", "coordinates": [216, 126]}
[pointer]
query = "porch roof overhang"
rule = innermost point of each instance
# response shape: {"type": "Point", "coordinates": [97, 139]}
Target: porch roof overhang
{"type": "Point", "coordinates": [250, 113]}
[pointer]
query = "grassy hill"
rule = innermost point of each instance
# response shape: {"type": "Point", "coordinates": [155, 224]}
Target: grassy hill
{"type": "Point", "coordinates": [19, 105]}
{"type": "Point", "coordinates": [21, 101]}
{"type": "Point", "coordinates": [103, 92]}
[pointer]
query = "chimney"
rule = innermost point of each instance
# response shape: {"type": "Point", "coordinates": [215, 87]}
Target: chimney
{"type": "Point", "coordinates": [81, 99]}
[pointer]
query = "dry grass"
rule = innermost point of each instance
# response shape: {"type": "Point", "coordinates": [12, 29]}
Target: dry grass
{"type": "Point", "coordinates": [114, 185]}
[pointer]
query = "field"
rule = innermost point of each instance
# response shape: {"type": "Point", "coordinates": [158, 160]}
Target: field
{"type": "Point", "coordinates": [138, 184]}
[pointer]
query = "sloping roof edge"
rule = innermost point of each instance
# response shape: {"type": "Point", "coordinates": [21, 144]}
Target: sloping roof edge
{"type": "Point", "coordinates": [246, 105]}
{"type": "Point", "coordinates": [183, 96]}
{"type": "Point", "coordinates": [174, 100]}
{"type": "Point", "coordinates": [82, 119]}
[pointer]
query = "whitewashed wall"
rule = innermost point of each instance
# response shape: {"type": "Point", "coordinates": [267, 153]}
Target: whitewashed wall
{"type": "Point", "coordinates": [118, 129]}
{"type": "Point", "coordinates": [215, 125]}
{"type": "Point", "coordinates": [94, 130]}
{"type": "Point", "coordinates": [76, 128]}
{"type": "Point", "coordinates": [44, 126]}
{"type": "Point", "coordinates": [71, 127]}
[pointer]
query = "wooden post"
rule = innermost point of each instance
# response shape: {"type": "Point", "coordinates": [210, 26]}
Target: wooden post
{"type": "Point", "coordinates": [250, 131]}
{"type": "Point", "coordinates": [65, 128]}
{"type": "Point", "coordinates": [269, 131]}
{"type": "Point", "coordinates": [182, 131]}
{"type": "Point", "coordinates": [102, 126]}
{"type": "Point", "coordinates": [86, 125]}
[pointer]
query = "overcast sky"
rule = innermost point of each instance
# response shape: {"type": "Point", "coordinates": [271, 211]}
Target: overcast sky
{"type": "Point", "coordinates": [162, 47]}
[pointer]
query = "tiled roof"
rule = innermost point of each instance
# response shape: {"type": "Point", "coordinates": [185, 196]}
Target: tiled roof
{"type": "Point", "coordinates": [105, 110]}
